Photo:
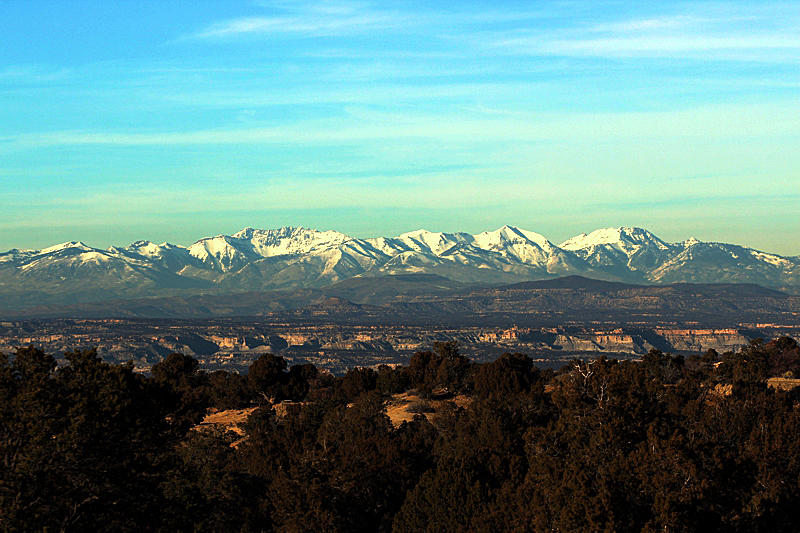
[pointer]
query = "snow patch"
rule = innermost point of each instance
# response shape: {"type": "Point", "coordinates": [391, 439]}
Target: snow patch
{"type": "Point", "coordinates": [65, 246]}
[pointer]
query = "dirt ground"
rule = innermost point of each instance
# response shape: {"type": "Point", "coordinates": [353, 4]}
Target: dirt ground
{"type": "Point", "coordinates": [402, 407]}
{"type": "Point", "coordinates": [231, 419]}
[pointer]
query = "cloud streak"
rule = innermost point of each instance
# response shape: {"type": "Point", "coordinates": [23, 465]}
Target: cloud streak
{"type": "Point", "coordinates": [659, 23]}
{"type": "Point", "coordinates": [32, 74]}
{"type": "Point", "coordinates": [317, 19]}
{"type": "Point", "coordinates": [312, 26]}
{"type": "Point", "coordinates": [673, 46]}
{"type": "Point", "coordinates": [708, 31]}
{"type": "Point", "coordinates": [313, 19]}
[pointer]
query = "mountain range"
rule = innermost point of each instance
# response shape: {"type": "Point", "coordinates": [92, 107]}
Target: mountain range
{"type": "Point", "coordinates": [293, 258]}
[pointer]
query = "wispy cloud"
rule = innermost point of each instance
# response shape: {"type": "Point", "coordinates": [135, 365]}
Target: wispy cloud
{"type": "Point", "coordinates": [314, 19]}
{"type": "Point", "coordinates": [650, 24]}
{"type": "Point", "coordinates": [330, 18]}
{"type": "Point", "coordinates": [671, 45]}
{"type": "Point", "coordinates": [32, 74]}
{"type": "Point", "coordinates": [706, 31]}
{"type": "Point", "coordinates": [322, 25]}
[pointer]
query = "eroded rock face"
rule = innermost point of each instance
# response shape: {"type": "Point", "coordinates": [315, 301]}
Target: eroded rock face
{"type": "Point", "coordinates": [721, 340]}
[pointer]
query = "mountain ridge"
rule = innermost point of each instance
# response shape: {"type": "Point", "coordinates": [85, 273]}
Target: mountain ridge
{"type": "Point", "coordinates": [296, 257]}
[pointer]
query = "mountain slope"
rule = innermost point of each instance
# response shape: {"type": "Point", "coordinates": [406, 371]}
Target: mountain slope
{"type": "Point", "coordinates": [291, 258]}
{"type": "Point", "coordinates": [622, 251]}
{"type": "Point", "coordinates": [705, 262]}
{"type": "Point", "coordinates": [74, 272]}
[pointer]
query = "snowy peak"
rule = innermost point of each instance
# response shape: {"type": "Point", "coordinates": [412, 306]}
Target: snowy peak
{"type": "Point", "coordinates": [229, 252]}
{"type": "Point", "coordinates": [221, 252]}
{"type": "Point", "coordinates": [71, 251]}
{"type": "Point", "coordinates": [138, 245]}
{"type": "Point", "coordinates": [511, 235]}
{"type": "Point", "coordinates": [715, 262]}
{"type": "Point", "coordinates": [171, 257]}
{"type": "Point", "coordinates": [248, 232]}
{"type": "Point", "coordinates": [510, 243]}
{"type": "Point", "coordinates": [150, 249]}
{"type": "Point", "coordinates": [621, 238]}
{"type": "Point", "coordinates": [532, 236]}
{"type": "Point", "coordinates": [621, 250]}
{"type": "Point", "coordinates": [506, 240]}
{"type": "Point", "coordinates": [76, 246]}
{"type": "Point", "coordinates": [436, 243]}
{"type": "Point", "coordinates": [289, 240]}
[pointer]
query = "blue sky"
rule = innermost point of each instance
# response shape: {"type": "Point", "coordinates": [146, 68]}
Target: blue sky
{"type": "Point", "coordinates": [171, 121]}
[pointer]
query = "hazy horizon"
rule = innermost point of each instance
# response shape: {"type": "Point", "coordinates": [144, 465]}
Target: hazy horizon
{"type": "Point", "coordinates": [173, 121]}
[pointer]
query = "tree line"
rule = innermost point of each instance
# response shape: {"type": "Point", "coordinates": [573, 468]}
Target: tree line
{"type": "Point", "coordinates": [663, 444]}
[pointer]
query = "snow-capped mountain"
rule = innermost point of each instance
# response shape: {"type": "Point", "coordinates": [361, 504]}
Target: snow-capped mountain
{"type": "Point", "coordinates": [424, 241]}
{"type": "Point", "coordinates": [226, 253]}
{"type": "Point", "coordinates": [289, 241]}
{"type": "Point", "coordinates": [169, 256]}
{"type": "Point", "coordinates": [74, 272]}
{"type": "Point", "coordinates": [622, 251]}
{"type": "Point", "coordinates": [256, 259]}
{"type": "Point", "coordinates": [710, 262]}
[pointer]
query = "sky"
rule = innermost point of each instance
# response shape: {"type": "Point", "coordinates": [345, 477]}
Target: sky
{"type": "Point", "coordinates": [176, 120]}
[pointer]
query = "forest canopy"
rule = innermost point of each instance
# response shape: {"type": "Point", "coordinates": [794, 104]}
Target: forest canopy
{"type": "Point", "coordinates": [666, 443]}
